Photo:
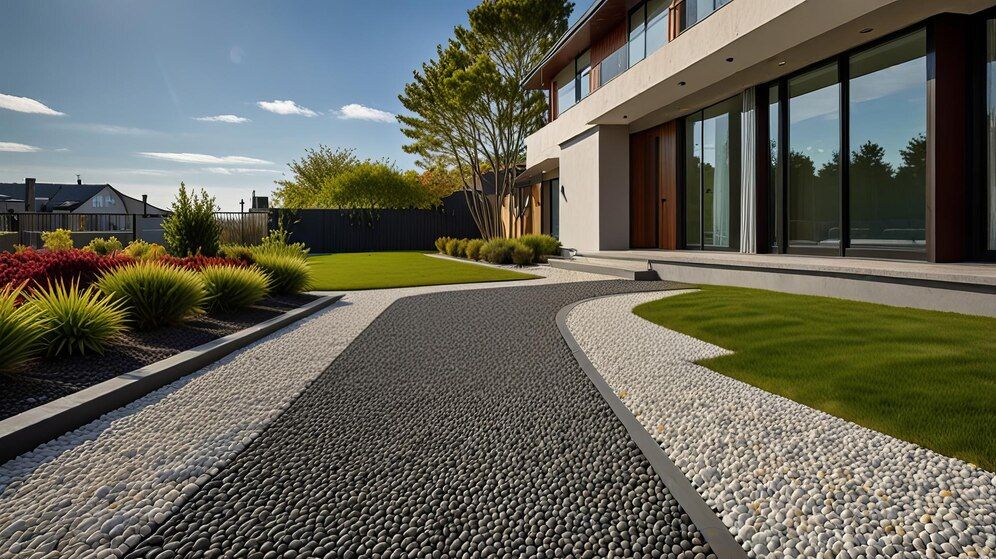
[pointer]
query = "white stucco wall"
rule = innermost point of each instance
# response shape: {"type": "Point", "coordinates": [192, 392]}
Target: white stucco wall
{"type": "Point", "coordinates": [594, 178]}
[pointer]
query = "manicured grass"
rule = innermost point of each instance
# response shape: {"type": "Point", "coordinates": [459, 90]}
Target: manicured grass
{"type": "Point", "coordinates": [921, 376]}
{"type": "Point", "coordinates": [378, 270]}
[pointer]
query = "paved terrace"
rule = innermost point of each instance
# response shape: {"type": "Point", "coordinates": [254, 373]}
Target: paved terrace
{"type": "Point", "coordinates": [450, 424]}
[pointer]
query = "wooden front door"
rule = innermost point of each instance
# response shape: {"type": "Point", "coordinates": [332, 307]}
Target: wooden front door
{"type": "Point", "coordinates": [653, 187]}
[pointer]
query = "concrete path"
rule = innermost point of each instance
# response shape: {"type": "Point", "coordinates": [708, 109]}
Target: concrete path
{"type": "Point", "coordinates": [457, 424]}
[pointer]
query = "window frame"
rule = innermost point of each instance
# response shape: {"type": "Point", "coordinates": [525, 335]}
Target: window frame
{"type": "Point", "coordinates": [780, 190]}
{"type": "Point", "coordinates": [578, 76]}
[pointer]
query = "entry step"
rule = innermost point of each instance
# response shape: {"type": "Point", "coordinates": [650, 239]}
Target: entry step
{"type": "Point", "coordinates": [626, 269]}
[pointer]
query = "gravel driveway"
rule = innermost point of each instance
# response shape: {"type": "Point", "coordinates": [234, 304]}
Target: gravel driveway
{"type": "Point", "coordinates": [456, 424]}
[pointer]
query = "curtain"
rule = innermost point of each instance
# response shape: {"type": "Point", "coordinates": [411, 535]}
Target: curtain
{"type": "Point", "coordinates": [721, 184]}
{"type": "Point", "coordinates": [748, 178]}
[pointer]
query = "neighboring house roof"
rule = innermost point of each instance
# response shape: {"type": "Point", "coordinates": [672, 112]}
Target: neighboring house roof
{"type": "Point", "coordinates": [67, 197]}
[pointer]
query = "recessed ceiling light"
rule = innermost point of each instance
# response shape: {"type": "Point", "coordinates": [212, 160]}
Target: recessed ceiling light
{"type": "Point", "coordinates": [782, 63]}
{"type": "Point", "coordinates": [625, 116]}
{"type": "Point", "coordinates": [730, 59]}
{"type": "Point", "coordinates": [867, 29]}
{"type": "Point", "coordinates": [681, 84]}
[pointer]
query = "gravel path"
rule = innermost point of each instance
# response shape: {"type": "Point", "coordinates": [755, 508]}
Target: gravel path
{"type": "Point", "coordinates": [457, 424]}
{"type": "Point", "coordinates": [788, 480]}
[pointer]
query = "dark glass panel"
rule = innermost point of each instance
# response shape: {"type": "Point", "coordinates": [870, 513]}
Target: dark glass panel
{"type": "Point", "coordinates": [693, 180]}
{"type": "Point", "coordinates": [774, 185]}
{"type": "Point", "coordinates": [721, 174]}
{"type": "Point", "coordinates": [888, 143]}
{"type": "Point", "coordinates": [657, 14]}
{"type": "Point", "coordinates": [583, 65]}
{"type": "Point", "coordinates": [814, 159]}
{"type": "Point", "coordinates": [637, 31]}
{"type": "Point", "coordinates": [991, 128]}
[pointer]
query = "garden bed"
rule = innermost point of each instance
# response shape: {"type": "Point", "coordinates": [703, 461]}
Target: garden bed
{"type": "Point", "coordinates": [50, 379]}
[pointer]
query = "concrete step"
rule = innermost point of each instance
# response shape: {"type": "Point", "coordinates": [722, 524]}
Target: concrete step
{"type": "Point", "coordinates": [623, 269]}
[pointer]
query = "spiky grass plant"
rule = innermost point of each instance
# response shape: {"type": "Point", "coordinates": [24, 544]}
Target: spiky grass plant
{"type": "Point", "coordinates": [288, 274]}
{"type": "Point", "coordinates": [231, 288]}
{"type": "Point", "coordinates": [79, 321]}
{"type": "Point", "coordinates": [155, 294]}
{"type": "Point", "coordinates": [22, 328]}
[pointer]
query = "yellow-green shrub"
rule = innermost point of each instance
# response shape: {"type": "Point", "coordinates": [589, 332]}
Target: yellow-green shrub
{"type": "Point", "coordinates": [22, 328]}
{"type": "Point", "coordinates": [60, 239]}
{"type": "Point", "coordinates": [441, 244]}
{"type": "Point", "coordinates": [78, 321]}
{"type": "Point", "coordinates": [155, 294]}
{"type": "Point", "coordinates": [233, 287]}
{"type": "Point", "coordinates": [287, 274]}
{"type": "Point", "coordinates": [542, 245]}
{"type": "Point", "coordinates": [453, 247]}
{"type": "Point", "coordinates": [498, 251]}
{"type": "Point", "coordinates": [522, 254]}
{"type": "Point", "coordinates": [474, 249]}
{"type": "Point", "coordinates": [239, 252]}
{"type": "Point", "coordinates": [141, 250]}
{"type": "Point", "coordinates": [103, 247]}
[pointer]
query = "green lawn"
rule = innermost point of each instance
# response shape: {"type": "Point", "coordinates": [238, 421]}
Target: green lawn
{"type": "Point", "coordinates": [379, 270]}
{"type": "Point", "coordinates": [922, 376]}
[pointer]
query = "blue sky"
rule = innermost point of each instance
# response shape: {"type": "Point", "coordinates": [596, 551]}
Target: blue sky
{"type": "Point", "coordinates": [132, 77]}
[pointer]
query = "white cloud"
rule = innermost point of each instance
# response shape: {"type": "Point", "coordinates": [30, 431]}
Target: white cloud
{"type": "Point", "coordinates": [111, 129]}
{"type": "Point", "coordinates": [62, 149]}
{"type": "Point", "coordinates": [18, 148]}
{"type": "Point", "coordinates": [205, 159]}
{"type": "Point", "coordinates": [286, 107]}
{"type": "Point", "coordinates": [356, 111]}
{"type": "Point", "coordinates": [227, 119]}
{"type": "Point", "coordinates": [239, 171]}
{"type": "Point", "coordinates": [26, 105]}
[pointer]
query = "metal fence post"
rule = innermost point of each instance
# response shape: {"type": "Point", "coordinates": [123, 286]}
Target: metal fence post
{"type": "Point", "coordinates": [134, 227]}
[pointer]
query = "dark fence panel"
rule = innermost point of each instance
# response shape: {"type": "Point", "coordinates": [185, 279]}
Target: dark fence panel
{"type": "Point", "coordinates": [244, 228]}
{"type": "Point", "coordinates": [325, 231]}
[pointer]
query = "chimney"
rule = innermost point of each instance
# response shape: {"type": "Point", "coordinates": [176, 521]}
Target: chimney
{"type": "Point", "coordinates": [29, 195]}
{"type": "Point", "coordinates": [145, 205]}
{"type": "Point", "coordinates": [79, 180]}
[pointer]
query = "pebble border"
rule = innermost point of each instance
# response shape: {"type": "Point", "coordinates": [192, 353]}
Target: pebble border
{"type": "Point", "coordinates": [786, 479]}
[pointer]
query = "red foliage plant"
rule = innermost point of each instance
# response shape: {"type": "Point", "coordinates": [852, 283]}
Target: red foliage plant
{"type": "Point", "coordinates": [43, 266]}
{"type": "Point", "coordinates": [198, 263]}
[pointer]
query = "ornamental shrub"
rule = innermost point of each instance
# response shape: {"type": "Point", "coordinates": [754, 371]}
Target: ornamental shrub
{"type": "Point", "coordinates": [79, 321]}
{"type": "Point", "coordinates": [141, 250]}
{"type": "Point", "coordinates": [154, 293]}
{"type": "Point", "coordinates": [462, 248]}
{"type": "Point", "coordinates": [33, 267]}
{"type": "Point", "coordinates": [278, 242]}
{"type": "Point", "coordinates": [22, 328]}
{"type": "Point", "coordinates": [197, 263]}
{"type": "Point", "coordinates": [58, 240]}
{"type": "Point", "coordinates": [236, 252]}
{"type": "Point", "coordinates": [453, 247]}
{"type": "Point", "coordinates": [522, 255]}
{"type": "Point", "coordinates": [542, 245]}
{"type": "Point", "coordinates": [441, 244]}
{"type": "Point", "coordinates": [287, 273]}
{"type": "Point", "coordinates": [192, 228]}
{"type": "Point", "coordinates": [103, 247]}
{"type": "Point", "coordinates": [498, 251]}
{"type": "Point", "coordinates": [231, 288]}
{"type": "Point", "coordinates": [474, 249]}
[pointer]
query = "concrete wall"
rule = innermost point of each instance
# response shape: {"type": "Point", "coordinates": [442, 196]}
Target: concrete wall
{"type": "Point", "coordinates": [594, 178]}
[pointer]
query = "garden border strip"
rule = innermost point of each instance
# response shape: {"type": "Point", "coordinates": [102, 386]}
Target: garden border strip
{"type": "Point", "coordinates": [717, 535]}
{"type": "Point", "coordinates": [28, 429]}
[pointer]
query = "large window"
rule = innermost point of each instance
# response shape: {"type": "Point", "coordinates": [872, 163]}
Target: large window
{"type": "Point", "coordinates": [888, 144]}
{"type": "Point", "coordinates": [712, 176]}
{"type": "Point", "coordinates": [991, 129]}
{"type": "Point", "coordinates": [694, 11]}
{"type": "Point", "coordinates": [849, 174]}
{"type": "Point", "coordinates": [648, 23]}
{"type": "Point", "coordinates": [574, 82]}
{"type": "Point", "coordinates": [814, 159]}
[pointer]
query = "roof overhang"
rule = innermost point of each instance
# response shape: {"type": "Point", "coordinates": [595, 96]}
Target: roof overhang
{"type": "Point", "coordinates": [601, 17]}
{"type": "Point", "coordinates": [534, 174]}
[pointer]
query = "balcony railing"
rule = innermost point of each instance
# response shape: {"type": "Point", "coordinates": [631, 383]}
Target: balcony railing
{"type": "Point", "coordinates": [614, 64]}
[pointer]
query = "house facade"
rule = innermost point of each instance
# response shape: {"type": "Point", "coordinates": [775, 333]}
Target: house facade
{"type": "Point", "coordinates": [850, 128]}
{"type": "Point", "coordinates": [76, 198]}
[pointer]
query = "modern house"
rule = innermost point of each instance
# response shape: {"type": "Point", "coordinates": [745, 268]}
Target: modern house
{"type": "Point", "coordinates": [834, 128]}
{"type": "Point", "coordinates": [70, 198]}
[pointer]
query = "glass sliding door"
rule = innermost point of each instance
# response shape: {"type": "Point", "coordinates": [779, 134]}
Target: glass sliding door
{"type": "Point", "coordinates": [991, 132]}
{"type": "Point", "coordinates": [693, 181]}
{"type": "Point", "coordinates": [887, 173]}
{"type": "Point", "coordinates": [814, 160]}
{"type": "Point", "coordinates": [712, 177]}
{"type": "Point", "coordinates": [555, 207]}
{"type": "Point", "coordinates": [774, 166]}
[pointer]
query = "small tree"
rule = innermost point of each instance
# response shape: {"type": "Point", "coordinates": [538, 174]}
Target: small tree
{"type": "Point", "coordinates": [375, 185]}
{"type": "Point", "coordinates": [192, 228]}
{"type": "Point", "coordinates": [311, 173]}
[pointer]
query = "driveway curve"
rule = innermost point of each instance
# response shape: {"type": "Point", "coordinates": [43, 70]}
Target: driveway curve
{"type": "Point", "coordinates": [456, 424]}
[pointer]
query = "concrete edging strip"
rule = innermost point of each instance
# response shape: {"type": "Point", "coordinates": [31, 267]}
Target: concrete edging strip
{"type": "Point", "coordinates": [27, 430]}
{"type": "Point", "coordinates": [722, 542]}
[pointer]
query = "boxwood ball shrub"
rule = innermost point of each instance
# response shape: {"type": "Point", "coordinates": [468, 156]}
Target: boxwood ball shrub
{"type": "Point", "coordinates": [542, 245]}
{"type": "Point", "coordinates": [522, 255]}
{"type": "Point", "coordinates": [155, 294]}
{"type": "Point", "coordinates": [22, 328]}
{"type": "Point", "coordinates": [474, 249]}
{"type": "Point", "coordinates": [231, 288]}
{"type": "Point", "coordinates": [103, 247]}
{"type": "Point", "coordinates": [498, 251]}
{"type": "Point", "coordinates": [79, 321]}
{"type": "Point", "coordinates": [287, 274]}
{"type": "Point", "coordinates": [441, 244]}
{"type": "Point", "coordinates": [55, 241]}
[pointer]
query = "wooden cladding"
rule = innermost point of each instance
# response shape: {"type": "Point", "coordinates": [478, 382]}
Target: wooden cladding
{"type": "Point", "coordinates": [653, 187]}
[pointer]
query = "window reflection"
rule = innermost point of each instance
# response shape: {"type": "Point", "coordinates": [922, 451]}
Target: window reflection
{"type": "Point", "coordinates": [991, 127]}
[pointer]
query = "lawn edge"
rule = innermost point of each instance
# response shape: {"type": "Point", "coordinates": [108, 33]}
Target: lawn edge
{"type": "Point", "coordinates": [717, 535]}
{"type": "Point", "coordinates": [27, 430]}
